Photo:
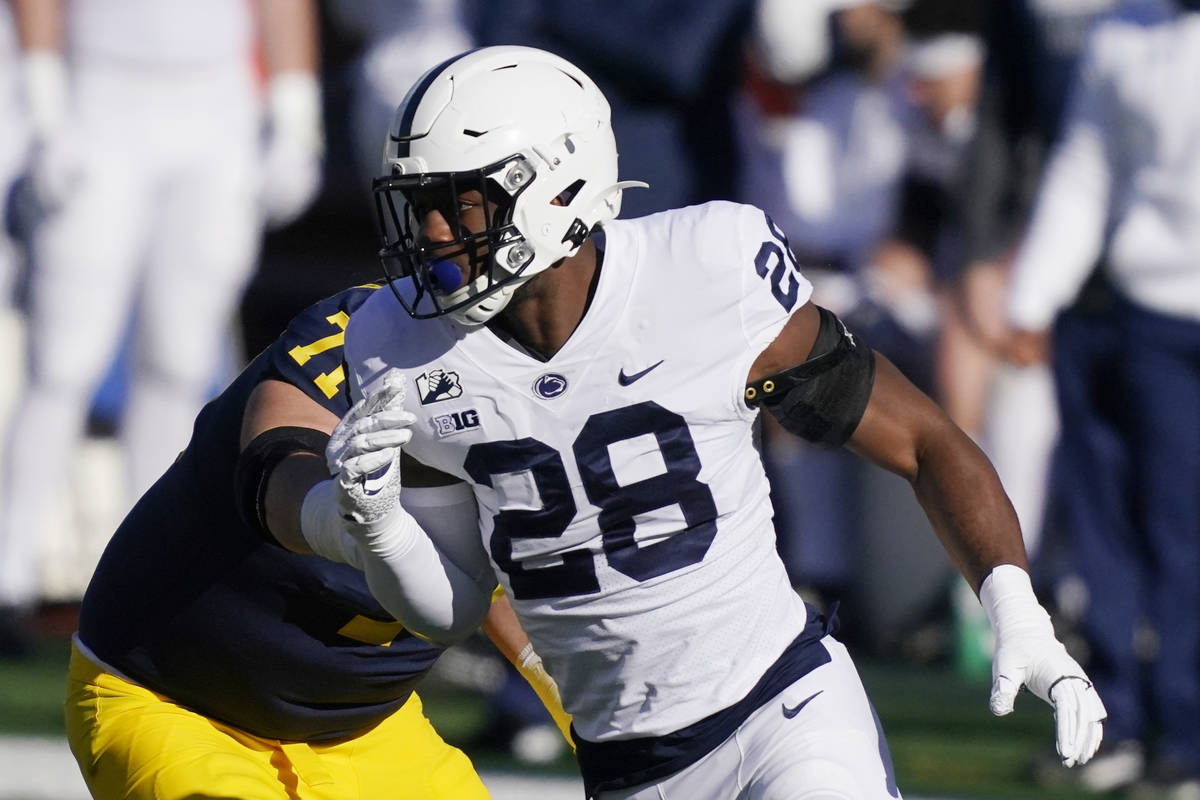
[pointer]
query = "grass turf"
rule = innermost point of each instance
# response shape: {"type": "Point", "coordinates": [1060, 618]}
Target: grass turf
{"type": "Point", "coordinates": [943, 739]}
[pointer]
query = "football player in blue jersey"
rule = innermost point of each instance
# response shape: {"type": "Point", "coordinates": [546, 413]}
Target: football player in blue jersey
{"type": "Point", "coordinates": [213, 661]}
{"type": "Point", "coordinates": [594, 383]}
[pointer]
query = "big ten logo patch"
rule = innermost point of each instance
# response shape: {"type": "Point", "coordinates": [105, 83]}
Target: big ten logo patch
{"type": "Point", "coordinates": [455, 422]}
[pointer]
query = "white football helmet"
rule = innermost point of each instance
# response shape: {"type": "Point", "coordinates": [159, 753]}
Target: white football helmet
{"type": "Point", "coordinates": [527, 129]}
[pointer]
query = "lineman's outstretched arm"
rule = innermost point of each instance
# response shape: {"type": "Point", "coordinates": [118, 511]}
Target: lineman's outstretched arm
{"type": "Point", "coordinates": [423, 560]}
{"type": "Point", "coordinates": [893, 424]}
{"type": "Point", "coordinates": [502, 627]}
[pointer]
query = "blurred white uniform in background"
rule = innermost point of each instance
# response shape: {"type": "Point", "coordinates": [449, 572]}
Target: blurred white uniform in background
{"type": "Point", "coordinates": [1122, 189]}
{"type": "Point", "coordinates": [14, 144]}
{"type": "Point", "coordinates": [14, 140]}
{"type": "Point", "coordinates": [150, 164]}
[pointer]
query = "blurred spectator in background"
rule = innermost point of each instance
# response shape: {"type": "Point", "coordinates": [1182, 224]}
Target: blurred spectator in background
{"type": "Point", "coordinates": [155, 181]}
{"type": "Point", "coordinates": [824, 144]}
{"type": "Point", "coordinates": [14, 146]}
{"type": "Point", "coordinates": [14, 136]}
{"type": "Point", "coordinates": [1032, 47]}
{"type": "Point", "coordinates": [826, 162]}
{"type": "Point", "coordinates": [909, 272]}
{"type": "Point", "coordinates": [1123, 188]}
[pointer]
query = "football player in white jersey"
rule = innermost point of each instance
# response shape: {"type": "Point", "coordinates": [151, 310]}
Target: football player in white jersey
{"type": "Point", "coordinates": [149, 160]}
{"type": "Point", "coordinates": [14, 136]}
{"type": "Point", "coordinates": [596, 382]}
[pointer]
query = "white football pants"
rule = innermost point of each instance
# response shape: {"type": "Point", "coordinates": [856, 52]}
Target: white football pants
{"type": "Point", "coordinates": [161, 226]}
{"type": "Point", "coordinates": [1020, 432]}
{"type": "Point", "coordinates": [831, 748]}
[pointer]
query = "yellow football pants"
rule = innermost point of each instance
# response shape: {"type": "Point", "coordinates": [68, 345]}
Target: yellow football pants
{"type": "Point", "coordinates": [135, 744]}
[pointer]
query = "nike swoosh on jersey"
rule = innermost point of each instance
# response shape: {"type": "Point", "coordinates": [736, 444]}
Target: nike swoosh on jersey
{"type": "Point", "coordinates": [625, 380]}
{"type": "Point", "coordinates": [791, 712]}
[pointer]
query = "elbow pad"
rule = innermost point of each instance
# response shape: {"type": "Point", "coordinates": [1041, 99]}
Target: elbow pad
{"type": "Point", "coordinates": [823, 399]}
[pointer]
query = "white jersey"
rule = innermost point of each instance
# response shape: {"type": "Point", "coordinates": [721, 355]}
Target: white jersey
{"type": "Point", "coordinates": [621, 498]}
{"type": "Point", "coordinates": [1124, 180]}
{"type": "Point", "coordinates": [161, 32]}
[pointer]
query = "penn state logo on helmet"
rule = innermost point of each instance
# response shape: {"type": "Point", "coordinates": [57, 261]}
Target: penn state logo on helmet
{"type": "Point", "coordinates": [528, 130]}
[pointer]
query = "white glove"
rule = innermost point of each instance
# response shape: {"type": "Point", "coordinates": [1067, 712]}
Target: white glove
{"type": "Point", "coordinates": [364, 453]}
{"type": "Point", "coordinates": [55, 165]}
{"type": "Point", "coordinates": [340, 516]}
{"type": "Point", "coordinates": [1028, 654]}
{"type": "Point", "coordinates": [295, 148]}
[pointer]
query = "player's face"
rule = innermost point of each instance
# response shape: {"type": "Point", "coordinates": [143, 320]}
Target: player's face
{"type": "Point", "coordinates": [452, 230]}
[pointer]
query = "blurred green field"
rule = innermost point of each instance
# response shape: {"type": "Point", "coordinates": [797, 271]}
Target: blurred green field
{"type": "Point", "coordinates": [943, 739]}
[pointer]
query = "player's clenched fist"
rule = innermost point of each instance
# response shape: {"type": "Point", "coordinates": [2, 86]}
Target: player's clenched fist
{"type": "Point", "coordinates": [364, 456]}
{"type": "Point", "coordinates": [1027, 653]}
{"type": "Point", "coordinates": [358, 512]}
{"type": "Point", "coordinates": [364, 453]}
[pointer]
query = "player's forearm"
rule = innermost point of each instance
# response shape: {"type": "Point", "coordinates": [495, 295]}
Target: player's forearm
{"type": "Point", "coordinates": [289, 35]}
{"type": "Point", "coordinates": [962, 496]}
{"type": "Point", "coordinates": [440, 590]}
{"type": "Point", "coordinates": [502, 627]}
{"type": "Point", "coordinates": [427, 592]}
{"type": "Point", "coordinates": [905, 432]}
{"type": "Point", "coordinates": [287, 487]}
{"type": "Point", "coordinates": [39, 24]}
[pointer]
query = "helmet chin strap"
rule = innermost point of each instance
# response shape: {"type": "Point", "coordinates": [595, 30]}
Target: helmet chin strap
{"type": "Point", "coordinates": [478, 313]}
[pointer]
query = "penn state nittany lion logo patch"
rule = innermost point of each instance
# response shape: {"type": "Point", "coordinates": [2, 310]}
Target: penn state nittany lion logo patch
{"type": "Point", "coordinates": [549, 385]}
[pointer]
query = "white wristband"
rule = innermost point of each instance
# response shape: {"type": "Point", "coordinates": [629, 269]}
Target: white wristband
{"type": "Point", "coordinates": [1008, 599]}
{"type": "Point", "coordinates": [527, 656]}
{"type": "Point", "coordinates": [45, 77]}
{"type": "Point", "coordinates": [294, 106]}
{"type": "Point", "coordinates": [323, 528]}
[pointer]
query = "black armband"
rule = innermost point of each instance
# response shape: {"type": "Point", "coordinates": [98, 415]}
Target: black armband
{"type": "Point", "coordinates": [259, 459]}
{"type": "Point", "coordinates": [823, 399]}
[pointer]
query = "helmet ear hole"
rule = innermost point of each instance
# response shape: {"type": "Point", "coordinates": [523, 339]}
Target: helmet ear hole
{"type": "Point", "coordinates": [567, 195]}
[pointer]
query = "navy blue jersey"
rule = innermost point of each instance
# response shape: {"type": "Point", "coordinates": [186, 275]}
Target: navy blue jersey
{"type": "Point", "coordinates": [191, 602]}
